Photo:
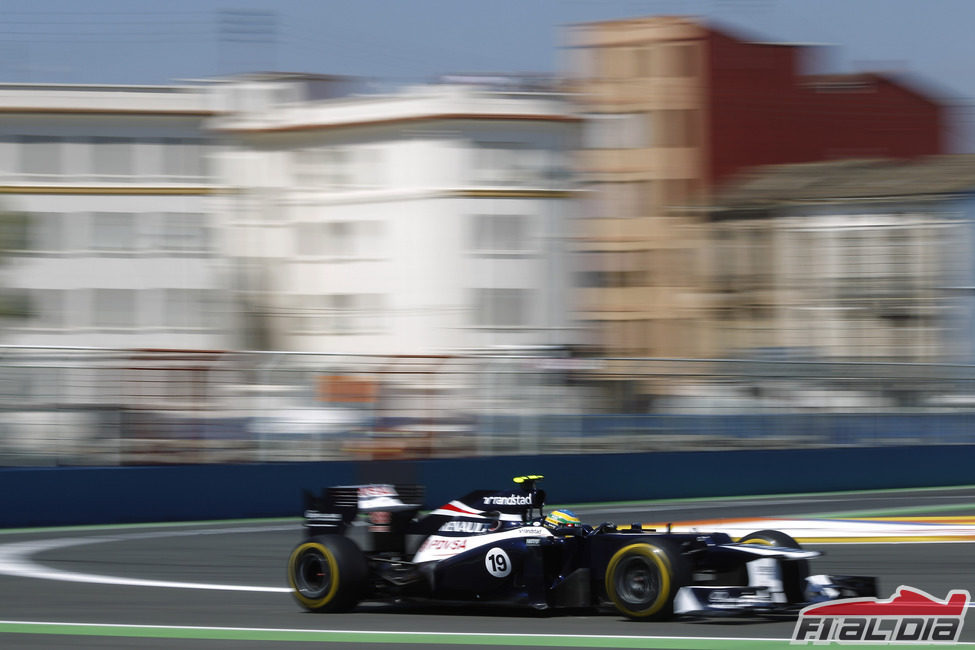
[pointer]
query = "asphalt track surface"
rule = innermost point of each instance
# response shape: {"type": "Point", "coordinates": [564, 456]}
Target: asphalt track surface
{"type": "Point", "coordinates": [233, 591]}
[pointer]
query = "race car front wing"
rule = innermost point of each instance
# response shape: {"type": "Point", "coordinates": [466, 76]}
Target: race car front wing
{"type": "Point", "coordinates": [730, 600]}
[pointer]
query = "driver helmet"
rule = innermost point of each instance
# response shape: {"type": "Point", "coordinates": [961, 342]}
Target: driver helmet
{"type": "Point", "coordinates": [560, 518]}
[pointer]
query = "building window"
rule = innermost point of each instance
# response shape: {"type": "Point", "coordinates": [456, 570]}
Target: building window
{"type": "Point", "coordinates": [310, 167]}
{"type": "Point", "coordinates": [183, 231]}
{"type": "Point", "coordinates": [644, 61]}
{"type": "Point", "coordinates": [41, 155]}
{"type": "Point", "coordinates": [676, 128]}
{"type": "Point", "coordinates": [308, 238]}
{"type": "Point", "coordinates": [310, 313]}
{"type": "Point", "coordinates": [514, 164]}
{"type": "Point", "coordinates": [612, 62]}
{"type": "Point", "coordinates": [613, 269]}
{"type": "Point", "coordinates": [183, 158]}
{"type": "Point", "coordinates": [337, 168]}
{"type": "Point", "coordinates": [369, 168]}
{"type": "Point", "coordinates": [518, 164]}
{"type": "Point", "coordinates": [17, 303]}
{"type": "Point", "coordinates": [49, 308]}
{"type": "Point", "coordinates": [500, 233]}
{"type": "Point", "coordinates": [113, 231]}
{"type": "Point", "coordinates": [597, 202]}
{"type": "Point", "coordinates": [343, 313]}
{"type": "Point", "coordinates": [618, 200]}
{"type": "Point", "coordinates": [339, 238]}
{"type": "Point", "coordinates": [671, 267]}
{"type": "Point", "coordinates": [591, 269]}
{"type": "Point", "coordinates": [188, 308]}
{"type": "Point", "coordinates": [16, 231]}
{"type": "Point", "coordinates": [647, 197]}
{"type": "Point", "coordinates": [679, 60]}
{"type": "Point", "coordinates": [48, 231]}
{"type": "Point", "coordinates": [370, 237]}
{"type": "Point", "coordinates": [357, 313]}
{"type": "Point", "coordinates": [112, 157]}
{"type": "Point", "coordinates": [498, 164]}
{"type": "Point", "coordinates": [347, 239]}
{"type": "Point", "coordinates": [631, 269]}
{"type": "Point", "coordinates": [501, 307]}
{"type": "Point", "coordinates": [616, 131]}
{"type": "Point", "coordinates": [372, 312]}
{"type": "Point", "coordinates": [114, 308]}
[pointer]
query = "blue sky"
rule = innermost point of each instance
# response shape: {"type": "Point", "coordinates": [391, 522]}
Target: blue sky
{"type": "Point", "coordinates": [137, 41]}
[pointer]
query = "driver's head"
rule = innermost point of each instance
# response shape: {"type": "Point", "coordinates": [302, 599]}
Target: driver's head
{"type": "Point", "coordinates": [561, 518]}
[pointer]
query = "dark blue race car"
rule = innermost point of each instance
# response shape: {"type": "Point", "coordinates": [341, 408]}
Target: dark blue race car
{"type": "Point", "coordinates": [369, 542]}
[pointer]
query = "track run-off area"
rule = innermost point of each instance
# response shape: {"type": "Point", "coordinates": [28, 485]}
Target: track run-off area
{"type": "Point", "coordinates": [222, 584]}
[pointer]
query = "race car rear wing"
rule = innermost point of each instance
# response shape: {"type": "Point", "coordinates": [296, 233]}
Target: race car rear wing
{"type": "Point", "coordinates": [388, 507]}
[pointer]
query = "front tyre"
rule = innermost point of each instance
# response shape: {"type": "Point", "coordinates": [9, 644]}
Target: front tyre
{"type": "Point", "coordinates": [327, 574]}
{"type": "Point", "coordinates": [794, 572]}
{"type": "Point", "coordinates": [642, 580]}
{"type": "Point", "coordinates": [770, 538]}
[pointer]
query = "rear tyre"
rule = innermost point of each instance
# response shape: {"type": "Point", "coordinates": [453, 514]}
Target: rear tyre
{"type": "Point", "coordinates": [794, 572]}
{"type": "Point", "coordinates": [327, 574]}
{"type": "Point", "coordinates": [642, 580]}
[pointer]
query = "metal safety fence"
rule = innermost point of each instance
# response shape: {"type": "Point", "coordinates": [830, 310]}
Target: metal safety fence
{"type": "Point", "coordinates": [97, 406]}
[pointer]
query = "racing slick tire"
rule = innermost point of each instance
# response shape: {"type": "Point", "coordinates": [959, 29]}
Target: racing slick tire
{"type": "Point", "coordinates": [794, 572]}
{"type": "Point", "coordinates": [327, 573]}
{"type": "Point", "coordinates": [642, 580]}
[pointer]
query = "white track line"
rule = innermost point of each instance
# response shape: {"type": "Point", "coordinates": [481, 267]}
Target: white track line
{"type": "Point", "coordinates": [15, 561]}
{"type": "Point", "coordinates": [403, 633]}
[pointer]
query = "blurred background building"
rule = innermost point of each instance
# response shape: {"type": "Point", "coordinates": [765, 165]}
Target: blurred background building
{"type": "Point", "coordinates": [855, 260]}
{"type": "Point", "coordinates": [692, 240]}
{"type": "Point", "coordinates": [675, 106]}
{"type": "Point", "coordinates": [119, 248]}
{"type": "Point", "coordinates": [427, 220]}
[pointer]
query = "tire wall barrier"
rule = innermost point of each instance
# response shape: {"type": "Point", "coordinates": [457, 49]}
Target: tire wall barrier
{"type": "Point", "coordinates": [104, 495]}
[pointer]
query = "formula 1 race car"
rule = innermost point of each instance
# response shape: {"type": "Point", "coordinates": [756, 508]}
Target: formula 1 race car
{"type": "Point", "coordinates": [499, 547]}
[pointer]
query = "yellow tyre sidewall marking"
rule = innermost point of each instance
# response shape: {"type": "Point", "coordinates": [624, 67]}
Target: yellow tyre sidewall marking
{"type": "Point", "coordinates": [333, 572]}
{"type": "Point", "coordinates": [658, 558]}
{"type": "Point", "coordinates": [761, 541]}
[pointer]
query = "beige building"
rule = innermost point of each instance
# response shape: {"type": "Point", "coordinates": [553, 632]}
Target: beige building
{"type": "Point", "coordinates": [674, 108]}
{"type": "Point", "coordinates": [642, 152]}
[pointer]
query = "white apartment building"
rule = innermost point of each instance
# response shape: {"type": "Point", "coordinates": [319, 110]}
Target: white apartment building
{"type": "Point", "coordinates": [115, 183]}
{"type": "Point", "coordinates": [429, 220]}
